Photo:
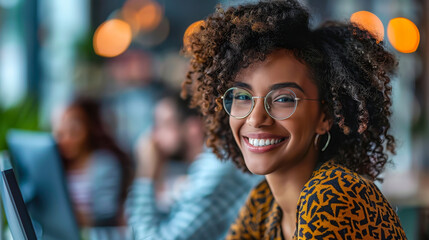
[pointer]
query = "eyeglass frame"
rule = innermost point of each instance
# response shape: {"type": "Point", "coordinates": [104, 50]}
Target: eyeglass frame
{"type": "Point", "coordinates": [265, 103]}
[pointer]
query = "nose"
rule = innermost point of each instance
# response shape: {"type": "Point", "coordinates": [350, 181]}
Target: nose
{"type": "Point", "coordinates": [259, 116]}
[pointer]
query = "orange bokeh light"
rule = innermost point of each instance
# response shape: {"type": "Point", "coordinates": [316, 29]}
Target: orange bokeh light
{"type": "Point", "coordinates": [150, 15]}
{"type": "Point", "coordinates": [369, 22]}
{"type": "Point", "coordinates": [403, 34]}
{"type": "Point", "coordinates": [190, 30]}
{"type": "Point", "coordinates": [142, 15]}
{"type": "Point", "coordinates": [112, 38]}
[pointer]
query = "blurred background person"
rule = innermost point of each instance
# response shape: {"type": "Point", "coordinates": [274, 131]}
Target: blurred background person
{"type": "Point", "coordinates": [97, 171]}
{"type": "Point", "coordinates": [206, 203]}
{"type": "Point", "coordinates": [133, 94]}
{"type": "Point", "coordinates": [165, 152]}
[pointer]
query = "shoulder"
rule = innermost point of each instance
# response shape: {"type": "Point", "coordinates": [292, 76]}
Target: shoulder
{"type": "Point", "coordinates": [260, 203]}
{"type": "Point", "coordinates": [208, 161]}
{"type": "Point", "coordinates": [262, 190]}
{"type": "Point", "coordinates": [331, 191]}
{"type": "Point", "coordinates": [260, 199]}
{"type": "Point", "coordinates": [335, 179]}
{"type": "Point", "coordinates": [339, 203]}
{"type": "Point", "coordinates": [209, 175]}
{"type": "Point", "coordinates": [207, 166]}
{"type": "Point", "coordinates": [259, 216]}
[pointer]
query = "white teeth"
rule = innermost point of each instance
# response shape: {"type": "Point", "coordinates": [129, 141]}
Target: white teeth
{"type": "Point", "coordinates": [263, 142]}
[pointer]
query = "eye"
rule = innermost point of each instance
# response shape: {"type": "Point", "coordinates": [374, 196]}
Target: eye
{"type": "Point", "coordinates": [284, 99]}
{"type": "Point", "coordinates": [242, 97]}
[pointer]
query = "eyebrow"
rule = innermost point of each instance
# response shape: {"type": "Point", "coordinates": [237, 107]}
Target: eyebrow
{"type": "Point", "coordinates": [273, 87]}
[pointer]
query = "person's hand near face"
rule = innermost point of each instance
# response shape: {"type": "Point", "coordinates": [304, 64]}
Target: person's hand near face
{"type": "Point", "coordinates": [164, 142]}
{"type": "Point", "coordinates": [150, 161]}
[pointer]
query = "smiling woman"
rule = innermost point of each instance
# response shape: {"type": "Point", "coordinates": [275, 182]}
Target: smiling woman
{"type": "Point", "coordinates": [309, 109]}
{"type": "Point", "coordinates": [278, 117]}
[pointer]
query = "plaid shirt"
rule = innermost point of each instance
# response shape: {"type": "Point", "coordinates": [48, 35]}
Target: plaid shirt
{"type": "Point", "coordinates": [216, 191]}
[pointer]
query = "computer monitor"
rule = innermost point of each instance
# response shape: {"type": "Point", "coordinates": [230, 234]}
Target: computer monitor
{"type": "Point", "coordinates": [19, 221]}
{"type": "Point", "coordinates": [42, 181]}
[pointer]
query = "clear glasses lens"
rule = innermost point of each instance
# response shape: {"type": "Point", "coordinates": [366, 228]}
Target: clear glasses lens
{"type": "Point", "coordinates": [238, 102]}
{"type": "Point", "coordinates": [280, 103]}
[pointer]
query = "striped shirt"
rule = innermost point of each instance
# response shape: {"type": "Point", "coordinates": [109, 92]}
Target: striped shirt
{"type": "Point", "coordinates": [205, 210]}
{"type": "Point", "coordinates": [95, 191]}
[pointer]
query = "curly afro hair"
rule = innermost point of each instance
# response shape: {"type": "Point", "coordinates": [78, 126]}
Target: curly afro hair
{"type": "Point", "coordinates": [350, 68]}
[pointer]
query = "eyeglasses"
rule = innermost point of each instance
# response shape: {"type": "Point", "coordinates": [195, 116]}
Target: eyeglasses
{"type": "Point", "coordinates": [280, 103]}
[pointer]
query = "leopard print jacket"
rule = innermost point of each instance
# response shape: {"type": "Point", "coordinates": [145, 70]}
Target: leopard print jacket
{"type": "Point", "coordinates": [335, 203]}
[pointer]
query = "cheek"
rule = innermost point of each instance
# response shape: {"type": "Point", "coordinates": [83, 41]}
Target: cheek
{"type": "Point", "coordinates": [235, 125]}
{"type": "Point", "coordinates": [302, 130]}
{"type": "Point", "coordinates": [79, 139]}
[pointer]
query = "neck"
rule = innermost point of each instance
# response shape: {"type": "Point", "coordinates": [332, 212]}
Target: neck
{"type": "Point", "coordinates": [80, 162]}
{"type": "Point", "coordinates": [286, 185]}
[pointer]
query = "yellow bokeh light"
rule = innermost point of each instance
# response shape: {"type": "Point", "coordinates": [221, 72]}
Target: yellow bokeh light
{"type": "Point", "coordinates": [190, 30]}
{"type": "Point", "coordinates": [112, 38]}
{"type": "Point", "coordinates": [403, 34]}
{"type": "Point", "coordinates": [369, 22]}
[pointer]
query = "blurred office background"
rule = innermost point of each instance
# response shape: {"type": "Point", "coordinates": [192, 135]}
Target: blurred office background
{"type": "Point", "coordinates": [124, 52]}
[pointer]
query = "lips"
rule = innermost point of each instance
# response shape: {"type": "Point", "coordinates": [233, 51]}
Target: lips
{"type": "Point", "coordinates": [260, 143]}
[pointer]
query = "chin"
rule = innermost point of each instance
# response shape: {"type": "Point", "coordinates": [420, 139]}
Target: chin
{"type": "Point", "coordinates": [259, 166]}
{"type": "Point", "coordinates": [261, 172]}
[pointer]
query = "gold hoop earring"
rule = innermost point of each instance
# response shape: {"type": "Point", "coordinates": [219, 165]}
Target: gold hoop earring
{"type": "Point", "coordinates": [326, 144]}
